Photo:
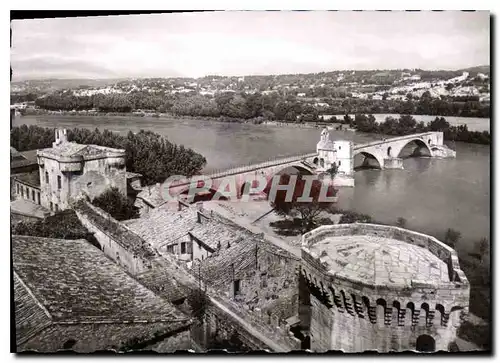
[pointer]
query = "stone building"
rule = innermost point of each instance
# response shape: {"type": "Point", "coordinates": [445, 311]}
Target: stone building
{"type": "Point", "coordinates": [373, 287]}
{"type": "Point", "coordinates": [228, 312]}
{"type": "Point", "coordinates": [327, 155]}
{"type": "Point", "coordinates": [68, 295]}
{"type": "Point", "coordinates": [254, 277]}
{"type": "Point", "coordinates": [69, 170]}
{"type": "Point", "coordinates": [330, 153]}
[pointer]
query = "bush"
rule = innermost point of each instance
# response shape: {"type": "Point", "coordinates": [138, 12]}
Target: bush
{"type": "Point", "coordinates": [116, 204]}
{"type": "Point", "coordinates": [64, 225]}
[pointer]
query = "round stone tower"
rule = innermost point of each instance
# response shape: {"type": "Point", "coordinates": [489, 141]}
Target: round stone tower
{"type": "Point", "coordinates": [373, 287]}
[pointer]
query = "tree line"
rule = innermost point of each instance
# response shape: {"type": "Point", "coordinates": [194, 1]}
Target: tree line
{"type": "Point", "coordinates": [406, 125]}
{"type": "Point", "coordinates": [274, 106]}
{"type": "Point", "coordinates": [147, 153]}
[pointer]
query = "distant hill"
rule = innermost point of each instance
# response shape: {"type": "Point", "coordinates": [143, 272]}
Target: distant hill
{"type": "Point", "coordinates": [56, 84]}
{"type": "Point", "coordinates": [477, 69]}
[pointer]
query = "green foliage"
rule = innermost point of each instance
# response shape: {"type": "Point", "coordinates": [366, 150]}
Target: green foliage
{"type": "Point", "coordinates": [309, 212]}
{"type": "Point", "coordinates": [198, 303]}
{"type": "Point", "coordinates": [64, 225]}
{"type": "Point", "coordinates": [401, 222]}
{"type": "Point", "coordinates": [353, 217]}
{"type": "Point", "coordinates": [484, 246]}
{"type": "Point", "coordinates": [116, 204]}
{"type": "Point", "coordinates": [147, 153]}
{"type": "Point", "coordinates": [451, 237]}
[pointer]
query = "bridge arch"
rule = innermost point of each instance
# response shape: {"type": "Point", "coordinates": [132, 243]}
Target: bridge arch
{"type": "Point", "coordinates": [369, 155]}
{"type": "Point", "coordinates": [418, 141]}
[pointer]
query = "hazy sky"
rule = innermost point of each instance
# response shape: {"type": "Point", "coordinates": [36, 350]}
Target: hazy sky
{"type": "Point", "coordinates": [243, 43]}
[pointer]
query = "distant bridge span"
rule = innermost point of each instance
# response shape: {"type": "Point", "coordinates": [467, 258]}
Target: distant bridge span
{"type": "Point", "coordinates": [386, 152]}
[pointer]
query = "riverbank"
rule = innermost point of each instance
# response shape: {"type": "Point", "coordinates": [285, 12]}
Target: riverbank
{"type": "Point", "coordinates": [455, 129]}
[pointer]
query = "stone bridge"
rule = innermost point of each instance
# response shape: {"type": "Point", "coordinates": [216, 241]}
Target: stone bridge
{"type": "Point", "coordinates": [248, 175]}
{"type": "Point", "coordinates": [386, 152]}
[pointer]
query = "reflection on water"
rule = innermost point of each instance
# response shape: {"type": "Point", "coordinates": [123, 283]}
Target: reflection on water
{"type": "Point", "coordinates": [431, 194]}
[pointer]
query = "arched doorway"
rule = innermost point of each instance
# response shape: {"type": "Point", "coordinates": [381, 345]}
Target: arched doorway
{"type": "Point", "coordinates": [426, 343]}
{"type": "Point", "coordinates": [315, 161]}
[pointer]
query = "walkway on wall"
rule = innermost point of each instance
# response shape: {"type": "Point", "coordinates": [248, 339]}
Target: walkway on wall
{"type": "Point", "coordinates": [250, 329]}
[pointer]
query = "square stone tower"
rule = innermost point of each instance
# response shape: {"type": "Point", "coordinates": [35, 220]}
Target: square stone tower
{"type": "Point", "coordinates": [69, 171]}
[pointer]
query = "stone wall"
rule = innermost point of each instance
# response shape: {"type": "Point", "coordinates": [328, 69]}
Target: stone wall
{"type": "Point", "coordinates": [112, 242]}
{"type": "Point", "coordinates": [358, 316]}
{"type": "Point", "coordinates": [251, 331]}
{"type": "Point", "coordinates": [104, 336]}
{"type": "Point", "coordinates": [265, 275]}
{"type": "Point", "coordinates": [268, 290]}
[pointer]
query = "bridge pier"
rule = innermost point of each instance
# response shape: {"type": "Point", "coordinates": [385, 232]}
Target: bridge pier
{"type": "Point", "coordinates": [393, 163]}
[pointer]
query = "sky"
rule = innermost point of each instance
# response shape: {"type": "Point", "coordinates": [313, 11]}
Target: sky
{"type": "Point", "coordinates": [246, 43]}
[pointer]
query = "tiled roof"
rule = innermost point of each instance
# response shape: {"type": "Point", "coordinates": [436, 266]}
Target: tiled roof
{"type": "Point", "coordinates": [20, 159]}
{"type": "Point", "coordinates": [163, 225]}
{"type": "Point", "coordinates": [152, 195]}
{"type": "Point", "coordinates": [72, 149]}
{"type": "Point", "coordinates": [220, 230]}
{"type": "Point", "coordinates": [163, 283]}
{"type": "Point", "coordinates": [32, 178]}
{"type": "Point", "coordinates": [123, 235]}
{"type": "Point", "coordinates": [27, 208]}
{"type": "Point", "coordinates": [76, 282]}
{"type": "Point", "coordinates": [31, 317]}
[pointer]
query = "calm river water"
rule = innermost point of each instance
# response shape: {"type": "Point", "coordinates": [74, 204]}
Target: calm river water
{"type": "Point", "coordinates": [431, 194]}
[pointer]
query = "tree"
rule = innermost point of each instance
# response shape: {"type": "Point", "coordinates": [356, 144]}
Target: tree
{"type": "Point", "coordinates": [308, 212]}
{"type": "Point", "coordinates": [401, 222]}
{"type": "Point", "coordinates": [116, 204]}
{"type": "Point", "coordinates": [451, 237]}
{"type": "Point", "coordinates": [147, 153]}
{"type": "Point", "coordinates": [484, 246]}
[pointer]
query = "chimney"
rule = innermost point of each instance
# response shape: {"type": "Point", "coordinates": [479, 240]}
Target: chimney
{"type": "Point", "coordinates": [61, 137]}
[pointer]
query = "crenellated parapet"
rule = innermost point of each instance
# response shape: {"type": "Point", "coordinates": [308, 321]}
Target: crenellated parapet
{"type": "Point", "coordinates": [390, 278]}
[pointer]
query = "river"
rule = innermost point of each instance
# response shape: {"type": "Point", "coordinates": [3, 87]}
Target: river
{"type": "Point", "coordinates": [431, 194]}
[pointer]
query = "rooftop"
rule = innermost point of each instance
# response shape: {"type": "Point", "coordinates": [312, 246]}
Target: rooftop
{"type": "Point", "coordinates": [31, 178]}
{"type": "Point", "coordinates": [24, 158]}
{"type": "Point", "coordinates": [380, 255]}
{"type": "Point", "coordinates": [27, 208]}
{"type": "Point", "coordinates": [379, 260]}
{"type": "Point", "coordinates": [165, 225]}
{"type": "Point", "coordinates": [152, 195]}
{"type": "Point", "coordinates": [71, 149]}
{"type": "Point", "coordinates": [72, 281]}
